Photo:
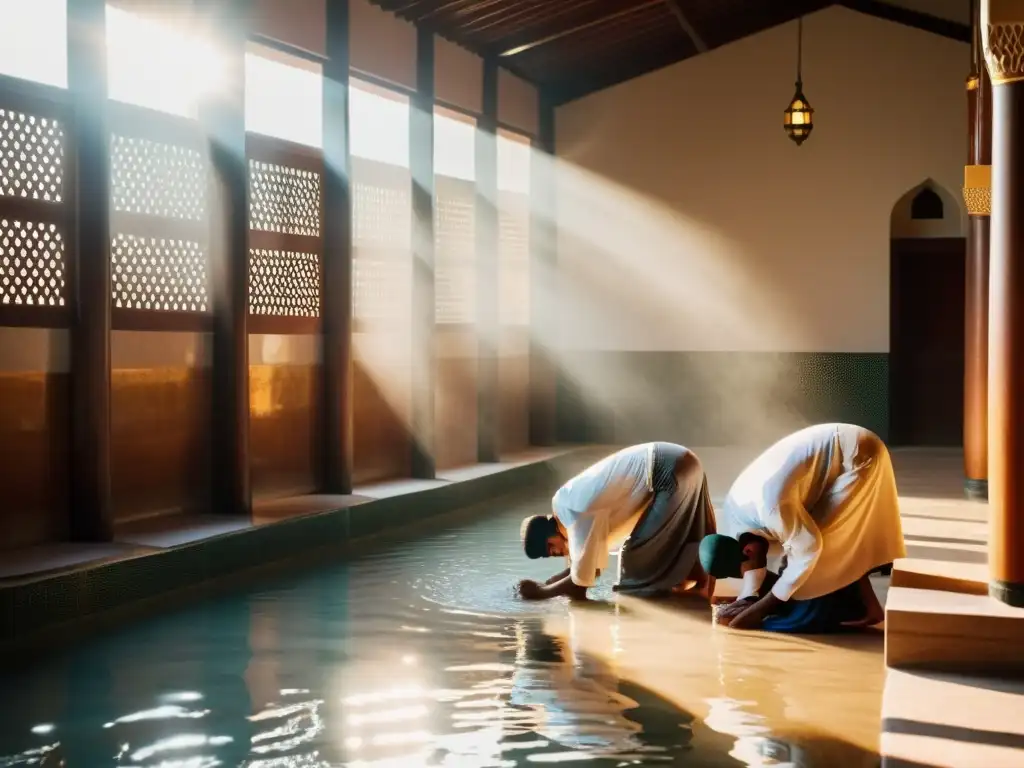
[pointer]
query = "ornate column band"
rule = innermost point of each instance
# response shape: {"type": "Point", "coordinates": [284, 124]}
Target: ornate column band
{"type": "Point", "coordinates": [978, 189]}
{"type": "Point", "coordinates": [1002, 31]}
{"type": "Point", "coordinates": [973, 82]}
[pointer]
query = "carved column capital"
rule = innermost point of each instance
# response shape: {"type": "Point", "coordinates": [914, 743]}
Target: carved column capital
{"type": "Point", "coordinates": [1002, 38]}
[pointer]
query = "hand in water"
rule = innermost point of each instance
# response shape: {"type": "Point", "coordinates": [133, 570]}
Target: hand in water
{"type": "Point", "coordinates": [530, 590]}
{"type": "Point", "coordinates": [724, 614]}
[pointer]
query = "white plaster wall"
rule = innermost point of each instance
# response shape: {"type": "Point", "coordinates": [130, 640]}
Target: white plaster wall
{"type": "Point", "coordinates": [688, 221]}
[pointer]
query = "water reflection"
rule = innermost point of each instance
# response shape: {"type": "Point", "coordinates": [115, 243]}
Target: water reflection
{"type": "Point", "coordinates": [417, 655]}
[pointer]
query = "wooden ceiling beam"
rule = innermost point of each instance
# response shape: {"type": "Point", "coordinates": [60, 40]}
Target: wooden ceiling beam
{"type": "Point", "coordinates": [450, 8]}
{"type": "Point", "coordinates": [625, 12]}
{"type": "Point", "coordinates": [923, 21]}
{"type": "Point", "coordinates": [627, 68]}
{"type": "Point", "coordinates": [687, 27]}
{"type": "Point", "coordinates": [622, 40]}
{"type": "Point", "coordinates": [516, 22]}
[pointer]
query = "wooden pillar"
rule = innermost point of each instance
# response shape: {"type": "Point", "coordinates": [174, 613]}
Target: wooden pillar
{"type": "Point", "coordinates": [421, 162]}
{"type": "Point", "coordinates": [223, 118]}
{"type": "Point", "coordinates": [91, 514]}
{"type": "Point", "coordinates": [977, 197]}
{"type": "Point", "coordinates": [543, 274]}
{"type": "Point", "coordinates": [488, 298]}
{"type": "Point", "coordinates": [1002, 26]}
{"type": "Point", "coordinates": [336, 296]}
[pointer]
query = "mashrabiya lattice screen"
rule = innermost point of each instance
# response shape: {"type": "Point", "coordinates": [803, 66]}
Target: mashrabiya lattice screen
{"type": "Point", "coordinates": [158, 274]}
{"type": "Point", "coordinates": [284, 199]}
{"type": "Point", "coordinates": [284, 283]}
{"type": "Point", "coordinates": [514, 258]}
{"type": "Point", "coordinates": [455, 278]}
{"type": "Point", "coordinates": [33, 268]}
{"type": "Point", "coordinates": [382, 242]}
{"type": "Point", "coordinates": [159, 208]}
{"type": "Point", "coordinates": [151, 178]}
{"type": "Point", "coordinates": [284, 275]}
{"type": "Point", "coordinates": [31, 157]}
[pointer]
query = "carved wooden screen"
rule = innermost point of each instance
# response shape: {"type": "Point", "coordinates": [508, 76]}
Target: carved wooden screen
{"type": "Point", "coordinates": [455, 289]}
{"type": "Point", "coordinates": [382, 267]}
{"type": "Point", "coordinates": [36, 208]}
{"type": "Point", "coordinates": [159, 218]}
{"type": "Point", "coordinates": [455, 277]}
{"type": "Point", "coordinates": [285, 236]}
{"type": "Point", "coordinates": [514, 289]}
{"type": "Point", "coordinates": [382, 246]}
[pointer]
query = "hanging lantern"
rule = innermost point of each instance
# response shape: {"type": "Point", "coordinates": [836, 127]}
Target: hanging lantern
{"type": "Point", "coordinates": [798, 119]}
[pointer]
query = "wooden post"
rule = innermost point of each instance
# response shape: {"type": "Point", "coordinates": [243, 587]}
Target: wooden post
{"type": "Point", "coordinates": [977, 196]}
{"type": "Point", "coordinates": [1002, 25]}
{"type": "Point", "coordinates": [223, 118]}
{"type": "Point", "coordinates": [421, 163]}
{"type": "Point", "coordinates": [91, 514]}
{"type": "Point", "coordinates": [336, 299]}
{"type": "Point", "coordinates": [487, 238]}
{"type": "Point", "coordinates": [543, 273]}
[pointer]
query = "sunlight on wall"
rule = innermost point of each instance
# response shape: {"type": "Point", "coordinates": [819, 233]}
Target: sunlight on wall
{"type": "Point", "coordinates": [514, 156]}
{"type": "Point", "coordinates": [378, 124]}
{"type": "Point", "coordinates": [695, 288]}
{"type": "Point", "coordinates": [33, 40]}
{"type": "Point", "coordinates": [159, 65]}
{"type": "Point", "coordinates": [454, 145]}
{"type": "Point", "coordinates": [283, 96]}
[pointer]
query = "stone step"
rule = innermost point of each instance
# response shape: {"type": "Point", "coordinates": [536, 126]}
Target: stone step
{"type": "Point", "coordinates": [951, 721]}
{"type": "Point", "coordinates": [951, 631]}
{"type": "Point", "coordinates": [917, 573]}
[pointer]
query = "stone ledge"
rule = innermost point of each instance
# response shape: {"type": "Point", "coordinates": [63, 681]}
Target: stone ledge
{"type": "Point", "coordinates": [951, 721]}
{"type": "Point", "coordinates": [940, 575]}
{"type": "Point", "coordinates": [36, 610]}
{"type": "Point", "coordinates": [948, 631]}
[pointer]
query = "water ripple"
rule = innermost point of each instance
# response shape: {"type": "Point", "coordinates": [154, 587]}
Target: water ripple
{"type": "Point", "coordinates": [418, 654]}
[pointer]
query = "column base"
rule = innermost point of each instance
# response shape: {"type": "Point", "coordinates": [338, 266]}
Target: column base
{"type": "Point", "coordinates": [1010, 593]}
{"type": "Point", "coordinates": [976, 490]}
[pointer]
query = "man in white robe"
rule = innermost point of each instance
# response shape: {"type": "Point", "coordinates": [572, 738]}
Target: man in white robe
{"type": "Point", "coordinates": [649, 502]}
{"type": "Point", "coordinates": [827, 495]}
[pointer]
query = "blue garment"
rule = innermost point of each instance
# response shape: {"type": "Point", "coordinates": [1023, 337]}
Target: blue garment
{"type": "Point", "coordinates": [819, 615]}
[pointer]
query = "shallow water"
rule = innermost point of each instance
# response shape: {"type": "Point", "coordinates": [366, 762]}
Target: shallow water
{"type": "Point", "coordinates": [418, 654]}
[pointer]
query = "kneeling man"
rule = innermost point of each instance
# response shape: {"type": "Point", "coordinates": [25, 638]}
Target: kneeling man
{"type": "Point", "coordinates": [827, 494]}
{"type": "Point", "coordinates": [650, 502]}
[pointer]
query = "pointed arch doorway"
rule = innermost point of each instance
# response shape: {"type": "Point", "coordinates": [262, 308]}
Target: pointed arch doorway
{"type": "Point", "coordinates": [926, 317]}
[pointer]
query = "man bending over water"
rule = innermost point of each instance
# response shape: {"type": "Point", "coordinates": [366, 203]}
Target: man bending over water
{"type": "Point", "coordinates": [827, 494]}
{"type": "Point", "coordinates": [651, 500]}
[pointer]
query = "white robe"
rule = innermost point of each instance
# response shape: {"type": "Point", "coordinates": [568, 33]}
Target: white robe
{"type": "Point", "coordinates": [600, 507]}
{"type": "Point", "coordinates": [827, 494]}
